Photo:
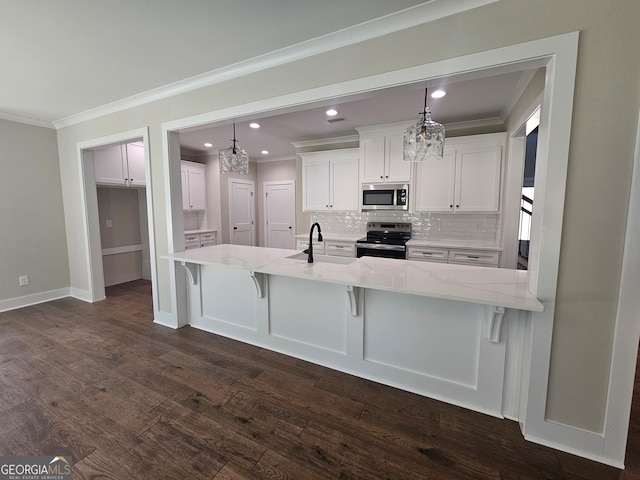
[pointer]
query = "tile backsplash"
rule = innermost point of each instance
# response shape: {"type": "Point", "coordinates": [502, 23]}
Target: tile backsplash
{"type": "Point", "coordinates": [195, 220]}
{"type": "Point", "coordinates": [475, 227]}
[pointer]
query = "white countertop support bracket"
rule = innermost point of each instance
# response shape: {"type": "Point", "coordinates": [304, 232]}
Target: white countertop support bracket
{"type": "Point", "coordinates": [192, 272]}
{"type": "Point", "coordinates": [494, 325]}
{"type": "Point", "coordinates": [257, 280]}
{"type": "Point", "coordinates": [353, 293]}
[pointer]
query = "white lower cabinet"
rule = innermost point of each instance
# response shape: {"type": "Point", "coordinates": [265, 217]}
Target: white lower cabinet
{"type": "Point", "coordinates": [485, 258]}
{"type": "Point", "coordinates": [471, 257]}
{"type": "Point", "coordinates": [340, 249]}
{"type": "Point", "coordinates": [318, 247]}
{"type": "Point", "coordinates": [426, 254]}
{"type": "Point", "coordinates": [197, 240]}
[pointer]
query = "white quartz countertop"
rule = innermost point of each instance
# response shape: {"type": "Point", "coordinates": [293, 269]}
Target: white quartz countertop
{"type": "Point", "coordinates": [462, 245]}
{"type": "Point", "coordinates": [338, 237]}
{"type": "Point", "coordinates": [484, 285]}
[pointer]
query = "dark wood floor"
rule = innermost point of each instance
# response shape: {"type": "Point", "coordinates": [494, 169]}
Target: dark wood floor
{"type": "Point", "coordinates": [132, 400]}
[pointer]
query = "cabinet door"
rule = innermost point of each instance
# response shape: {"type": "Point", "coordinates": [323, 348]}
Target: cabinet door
{"type": "Point", "coordinates": [397, 170]}
{"type": "Point", "coordinates": [315, 185]}
{"type": "Point", "coordinates": [478, 179]}
{"type": "Point", "coordinates": [344, 184]}
{"type": "Point", "coordinates": [109, 167]}
{"type": "Point", "coordinates": [184, 180]}
{"type": "Point", "coordinates": [197, 189]}
{"type": "Point", "coordinates": [435, 183]}
{"type": "Point", "coordinates": [372, 151]}
{"type": "Point", "coordinates": [135, 165]}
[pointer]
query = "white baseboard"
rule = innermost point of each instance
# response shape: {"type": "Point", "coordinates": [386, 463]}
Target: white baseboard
{"type": "Point", "coordinates": [33, 299]}
{"type": "Point", "coordinates": [573, 440]}
{"type": "Point", "coordinates": [580, 452]}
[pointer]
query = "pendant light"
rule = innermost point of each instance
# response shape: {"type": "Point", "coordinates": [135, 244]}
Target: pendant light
{"type": "Point", "coordinates": [234, 159]}
{"type": "Point", "coordinates": [425, 139]}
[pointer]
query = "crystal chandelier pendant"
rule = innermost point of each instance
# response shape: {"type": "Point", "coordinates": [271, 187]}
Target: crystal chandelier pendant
{"type": "Point", "coordinates": [234, 159]}
{"type": "Point", "coordinates": [424, 140]}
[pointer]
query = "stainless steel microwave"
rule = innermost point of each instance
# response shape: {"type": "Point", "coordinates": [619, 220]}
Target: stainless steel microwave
{"type": "Point", "coordinates": [385, 196]}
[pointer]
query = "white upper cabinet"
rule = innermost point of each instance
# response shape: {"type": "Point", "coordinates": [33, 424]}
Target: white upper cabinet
{"type": "Point", "coordinates": [194, 191]}
{"type": "Point", "coordinates": [467, 179]}
{"type": "Point", "coordinates": [330, 180]}
{"type": "Point", "coordinates": [120, 165]}
{"type": "Point", "coordinates": [135, 164]}
{"type": "Point", "coordinates": [381, 154]}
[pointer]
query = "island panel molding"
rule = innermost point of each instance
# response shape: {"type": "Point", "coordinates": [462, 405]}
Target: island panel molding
{"type": "Point", "coordinates": [429, 343]}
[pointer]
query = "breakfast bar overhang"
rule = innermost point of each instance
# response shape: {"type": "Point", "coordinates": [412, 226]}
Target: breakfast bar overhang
{"type": "Point", "coordinates": [433, 329]}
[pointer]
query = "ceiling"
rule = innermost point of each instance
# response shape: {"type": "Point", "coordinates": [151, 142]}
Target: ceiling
{"type": "Point", "coordinates": [485, 98]}
{"type": "Point", "coordinates": [69, 60]}
{"type": "Point", "coordinates": [61, 58]}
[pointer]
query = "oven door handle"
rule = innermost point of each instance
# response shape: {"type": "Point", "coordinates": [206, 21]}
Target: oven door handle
{"type": "Point", "coordinates": [379, 246]}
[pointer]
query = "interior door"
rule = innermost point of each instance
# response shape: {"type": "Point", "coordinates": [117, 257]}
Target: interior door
{"type": "Point", "coordinates": [280, 214]}
{"type": "Point", "coordinates": [241, 212]}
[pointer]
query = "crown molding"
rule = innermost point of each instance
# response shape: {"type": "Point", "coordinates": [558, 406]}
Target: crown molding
{"type": "Point", "coordinates": [24, 119]}
{"type": "Point", "coordinates": [326, 141]}
{"type": "Point", "coordinates": [277, 159]}
{"type": "Point", "coordinates": [483, 122]}
{"type": "Point", "coordinates": [426, 12]}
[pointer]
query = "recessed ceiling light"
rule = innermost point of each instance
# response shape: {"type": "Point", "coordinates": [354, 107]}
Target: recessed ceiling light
{"type": "Point", "coordinates": [265, 152]}
{"type": "Point", "coordinates": [438, 94]}
{"type": "Point", "coordinates": [254, 125]}
{"type": "Point", "coordinates": [208, 145]}
{"type": "Point", "coordinates": [331, 112]}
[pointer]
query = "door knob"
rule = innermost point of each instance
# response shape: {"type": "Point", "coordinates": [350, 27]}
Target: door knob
{"type": "Point", "coordinates": [235, 228]}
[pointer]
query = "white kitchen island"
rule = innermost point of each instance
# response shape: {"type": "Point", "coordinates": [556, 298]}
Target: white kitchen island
{"type": "Point", "coordinates": [429, 328]}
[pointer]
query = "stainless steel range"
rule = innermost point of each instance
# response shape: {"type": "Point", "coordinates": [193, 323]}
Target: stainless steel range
{"type": "Point", "coordinates": [384, 240]}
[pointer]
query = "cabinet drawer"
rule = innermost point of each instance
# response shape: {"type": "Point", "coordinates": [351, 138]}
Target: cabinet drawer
{"type": "Point", "coordinates": [207, 237]}
{"type": "Point", "coordinates": [341, 249]}
{"type": "Point", "coordinates": [191, 238]}
{"type": "Point", "coordinates": [470, 257]}
{"type": "Point", "coordinates": [426, 254]}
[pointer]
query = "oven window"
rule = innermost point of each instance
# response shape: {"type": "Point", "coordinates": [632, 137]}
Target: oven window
{"type": "Point", "coordinates": [377, 197]}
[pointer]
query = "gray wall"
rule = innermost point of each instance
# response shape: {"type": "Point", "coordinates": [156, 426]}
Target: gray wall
{"type": "Point", "coordinates": [120, 205]}
{"type": "Point", "coordinates": [32, 232]}
{"type": "Point", "coordinates": [606, 96]}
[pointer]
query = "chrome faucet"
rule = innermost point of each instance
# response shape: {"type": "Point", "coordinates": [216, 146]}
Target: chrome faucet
{"type": "Point", "coordinates": [310, 250]}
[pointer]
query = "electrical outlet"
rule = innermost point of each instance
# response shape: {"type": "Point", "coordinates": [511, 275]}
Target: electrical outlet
{"type": "Point", "coordinates": [109, 224]}
{"type": "Point", "coordinates": [23, 280]}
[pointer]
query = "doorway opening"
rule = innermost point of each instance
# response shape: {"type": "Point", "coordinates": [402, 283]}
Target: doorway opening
{"type": "Point", "coordinates": [118, 213]}
{"type": "Point", "coordinates": [528, 190]}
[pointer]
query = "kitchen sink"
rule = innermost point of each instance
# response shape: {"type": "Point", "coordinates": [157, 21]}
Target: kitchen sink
{"type": "Point", "coordinates": [323, 258]}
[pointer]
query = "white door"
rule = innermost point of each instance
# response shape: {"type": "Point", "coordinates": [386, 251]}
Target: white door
{"type": "Point", "coordinates": [241, 211]}
{"type": "Point", "coordinates": [280, 214]}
